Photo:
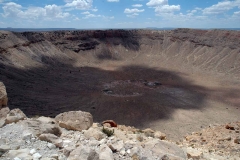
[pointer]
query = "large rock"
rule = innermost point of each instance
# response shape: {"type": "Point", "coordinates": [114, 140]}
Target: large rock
{"type": "Point", "coordinates": [194, 154]}
{"type": "Point", "coordinates": [83, 152]}
{"type": "Point", "coordinates": [20, 153]}
{"type": "Point", "coordinates": [52, 139]}
{"type": "Point", "coordinates": [105, 153]}
{"type": "Point", "coordinates": [95, 133]}
{"type": "Point", "coordinates": [3, 96]}
{"type": "Point", "coordinates": [164, 148]}
{"type": "Point", "coordinates": [14, 116]}
{"type": "Point", "coordinates": [3, 114]}
{"type": "Point", "coordinates": [75, 120]}
{"type": "Point", "coordinates": [39, 126]}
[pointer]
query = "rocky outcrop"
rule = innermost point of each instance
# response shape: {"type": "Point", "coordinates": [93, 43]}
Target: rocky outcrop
{"type": "Point", "coordinates": [3, 96]}
{"type": "Point", "coordinates": [75, 120]}
{"type": "Point", "coordinates": [35, 139]}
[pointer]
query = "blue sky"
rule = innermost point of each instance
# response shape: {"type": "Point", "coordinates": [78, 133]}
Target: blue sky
{"type": "Point", "coordinates": [119, 13]}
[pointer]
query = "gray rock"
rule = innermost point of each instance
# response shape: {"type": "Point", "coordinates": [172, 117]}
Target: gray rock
{"type": "Point", "coordinates": [83, 152]}
{"type": "Point", "coordinates": [23, 154]}
{"type": "Point", "coordinates": [68, 150]}
{"type": "Point", "coordinates": [194, 154]}
{"type": "Point", "coordinates": [117, 145]}
{"type": "Point", "coordinates": [36, 156]}
{"type": "Point", "coordinates": [14, 116]}
{"type": "Point", "coordinates": [38, 127]}
{"type": "Point", "coordinates": [3, 96]}
{"type": "Point", "coordinates": [3, 149]}
{"type": "Point", "coordinates": [161, 148]}
{"type": "Point", "coordinates": [91, 132]}
{"type": "Point", "coordinates": [105, 153]}
{"type": "Point", "coordinates": [51, 146]}
{"type": "Point", "coordinates": [3, 112]}
{"type": "Point", "coordinates": [52, 139]}
{"type": "Point", "coordinates": [75, 120]}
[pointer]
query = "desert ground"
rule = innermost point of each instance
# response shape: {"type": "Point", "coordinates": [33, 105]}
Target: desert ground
{"type": "Point", "coordinates": [175, 81]}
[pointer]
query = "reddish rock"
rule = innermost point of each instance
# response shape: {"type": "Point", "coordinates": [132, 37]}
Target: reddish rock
{"type": "Point", "coordinates": [229, 127]}
{"type": "Point", "coordinates": [111, 122]}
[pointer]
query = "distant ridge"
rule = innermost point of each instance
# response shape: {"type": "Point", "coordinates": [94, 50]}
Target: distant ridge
{"type": "Point", "coordinates": [35, 29]}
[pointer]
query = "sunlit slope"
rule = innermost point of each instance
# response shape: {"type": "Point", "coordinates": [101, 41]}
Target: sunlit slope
{"type": "Point", "coordinates": [208, 50]}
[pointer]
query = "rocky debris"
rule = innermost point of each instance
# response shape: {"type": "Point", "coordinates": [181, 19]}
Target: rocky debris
{"type": "Point", "coordinates": [28, 139]}
{"type": "Point", "coordinates": [222, 140]}
{"type": "Point", "coordinates": [109, 123]}
{"type": "Point", "coordinates": [75, 120]}
{"type": "Point", "coordinates": [3, 96]}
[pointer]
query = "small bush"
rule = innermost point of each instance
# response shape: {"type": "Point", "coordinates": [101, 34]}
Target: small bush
{"type": "Point", "coordinates": [108, 132]}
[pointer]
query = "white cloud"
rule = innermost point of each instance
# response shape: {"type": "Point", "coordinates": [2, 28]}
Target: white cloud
{"type": "Point", "coordinates": [85, 12]}
{"type": "Point", "coordinates": [95, 10]}
{"type": "Point", "coordinates": [91, 15]}
{"type": "Point", "coordinates": [236, 15]}
{"type": "Point", "coordinates": [134, 10]}
{"type": "Point", "coordinates": [137, 5]}
{"type": "Point", "coordinates": [154, 3]}
{"type": "Point", "coordinates": [221, 7]}
{"type": "Point", "coordinates": [79, 4]}
{"type": "Point", "coordinates": [49, 12]}
{"type": "Point", "coordinates": [132, 15]}
{"type": "Point", "coordinates": [167, 8]}
{"type": "Point", "coordinates": [113, 0]}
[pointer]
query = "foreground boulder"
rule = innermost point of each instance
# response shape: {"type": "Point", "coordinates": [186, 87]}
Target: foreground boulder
{"type": "Point", "coordinates": [75, 120]}
{"type": "Point", "coordinates": [15, 115]}
{"type": "Point", "coordinates": [83, 152]}
{"type": "Point", "coordinates": [3, 96]}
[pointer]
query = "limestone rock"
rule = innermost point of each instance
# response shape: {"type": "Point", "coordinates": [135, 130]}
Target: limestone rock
{"type": "Point", "coordinates": [38, 127]}
{"type": "Point", "coordinates": [83, 152]}
{"type": "Point", "coordinates": [3, 149]}
{"type": "Point", "coordinates": [160, 135]}
{"type": "Point", "coordinates": [194, 154]}
{"type": "Point", "coordinates": [3, 112]}
{"type": "Point", "coordinates": [15, 115]}
{"type": "Point", "coordinates": [161, 148]}
{"type": "Point", "coordinates": [52, 139]}
{"type": "Point", "coordinates": [20, 153]}
{"type": "Point", "coordinates": [68, 150]}
{"type": "Point", "coordinates": [98, 135]}
{"type": "Point", "coordinates": [3, 96]}
{"type": "Point", "coordinates": [148, 132]}
{"type": "Point", "coordinates": [105, 153]}
{"type": "Point", "coordinates": [117, 145]}
{"type": "Point", "coordinates": [36, 156]}
{"type": "Point", "coordinates": [75, 120]}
